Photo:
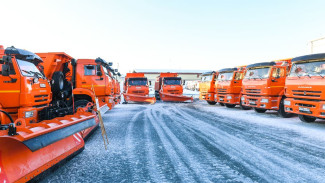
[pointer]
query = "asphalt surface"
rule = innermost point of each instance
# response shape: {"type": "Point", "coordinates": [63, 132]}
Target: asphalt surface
{"type": "Point", "coordinates": [174, 142]}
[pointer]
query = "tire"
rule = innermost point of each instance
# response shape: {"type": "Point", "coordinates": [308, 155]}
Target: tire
{"type": "Point", "coordinates": [230, 105]}
{"type": "Point", "coordinates": [157, 95]}
{"type": "Point", "coordinates": [222, 104]}
{"type": "Point", "coordinates": [307, 119]}
{"type": "Point", "coordinates": [244, 107]}
{"type": "Point", "coordinates": [259, 110]}
{"type": "Point", "coordinates": [281, 110]}
{"type": "Point", "coordinates": [81, 104]}
{"type": "Point", "coordinates": [211, 102]}
{"type": "Point", "coordinates": [57, 82]}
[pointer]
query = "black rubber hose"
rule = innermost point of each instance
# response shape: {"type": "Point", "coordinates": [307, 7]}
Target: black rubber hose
{"type": "Point", "coordinates": [12, 121]}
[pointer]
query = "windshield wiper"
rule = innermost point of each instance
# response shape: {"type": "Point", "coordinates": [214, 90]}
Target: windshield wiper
{"type": "Point", "coordinates": [26, 71]}
{"type": "Point", "coordinates": [308, 75]}
{"type": "Point", "coordinates": [320, 75]}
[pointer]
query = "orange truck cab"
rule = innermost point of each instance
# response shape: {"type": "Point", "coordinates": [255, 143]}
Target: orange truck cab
{"type": "Point", "coordinates": [168, 87]}
{"type": "Point", "coordinates": [92, 75]}
{"type": "Point", "coordinates": [228, 88]}
{"type": "Point", "coordinates": [207, 87]}
{"type": "Point", "coordinates": [304, 87]}
{"type": "Point", "coordinates": [38, 128]}
{"type": "Point", "coordinates": [136, 88]}
{"type": "Point", "coordinates": [263, 86]}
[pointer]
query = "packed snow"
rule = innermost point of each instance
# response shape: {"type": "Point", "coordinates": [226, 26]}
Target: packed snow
{"type": "Point", "coordinates": [197, 142]}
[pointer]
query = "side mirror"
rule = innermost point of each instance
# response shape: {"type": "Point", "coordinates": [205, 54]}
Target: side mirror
{"type": "Point", "coordinates": [115, 70]}
{"type": "Point", "coordinates": [110, 63]}
{"type": "Point", "coordinates": [5, 70]}
{"type": "Point", "coordinates": [99, 71]}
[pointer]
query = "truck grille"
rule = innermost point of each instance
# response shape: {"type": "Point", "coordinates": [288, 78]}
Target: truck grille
{"type": "Point", "coordinates": [172, 91]}
{"type": "Point", "coordinates": [220, 90]}
{"type": "Point", "coordinates": [41, 98]}
{"type": "Point", "coordinates": [138, 91]}
{"type": "Point", "coordinates": [304, 93]}
{"type": "Point", "coordinates": [253, 91]}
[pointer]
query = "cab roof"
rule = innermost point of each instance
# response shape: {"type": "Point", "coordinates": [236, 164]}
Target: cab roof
{"type": "Point", "coordinates": [261, 64]}
{"type": "Point", "coordinates": [228, 69]}
{"type": "Point", "coordinates": [309, 57]}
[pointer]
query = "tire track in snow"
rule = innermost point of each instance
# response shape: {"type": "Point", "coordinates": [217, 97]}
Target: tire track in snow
{"type": "Point", "coordinates": [275, 140]}
{"type": "Point", "coordinates": [181, 169]}
{"type": "Point", "coordinates": [131, 147]}
{"type": "Point", "coordinates": [215, 165]}
{"type": "Point", "coordinates": [273, 167]}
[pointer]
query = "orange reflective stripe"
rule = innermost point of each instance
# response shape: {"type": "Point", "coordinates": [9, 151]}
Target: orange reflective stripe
{"type": "Point", "coordinates": [9, 91]}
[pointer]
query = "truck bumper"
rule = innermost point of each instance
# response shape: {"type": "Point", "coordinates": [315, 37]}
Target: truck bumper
{"type": "Point", "coordinates": [207, 97]}
{"type": "Point", "coordinates": [309, 108]}
{"type": "Point", "coordinates": [228, 98]}
{"type": "Point", "coordinates": [263, 102]}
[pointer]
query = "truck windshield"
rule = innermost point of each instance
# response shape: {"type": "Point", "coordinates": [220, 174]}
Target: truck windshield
{"type": "Point", "coordinates": [137, 81]}
{"type": "Point", "coordinates": [28, 68]}
{"type": "Point", "coordinates": [258, 73]}
{"type": "Point", "coordinates": [226, 76]}
{"type": "Point", "coordinates": [172, 81]}
{"type": "Point", "coordinates": [316, 68]}
{"type": "Point", "coordinates": [206, 78]}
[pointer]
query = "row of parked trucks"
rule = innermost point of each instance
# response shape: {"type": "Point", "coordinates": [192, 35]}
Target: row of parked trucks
{"type": "Point", "coordinates": [168, 87]}
{"type": "Point", "coordinates": [48, 108]}
{"type": "Point", "coordinates": [289, 86]}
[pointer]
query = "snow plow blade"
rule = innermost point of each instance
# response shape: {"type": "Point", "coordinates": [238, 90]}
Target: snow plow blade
{"type": "Point", "coordinates": [39, 146]}
{"type": "Point", "coordinates": [174, 98]}
{"type": "Point", "coordinates": [139, 98]}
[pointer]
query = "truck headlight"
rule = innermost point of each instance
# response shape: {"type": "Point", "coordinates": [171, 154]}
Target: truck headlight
{"type": "Point", "coordinates": [29, 114]}
{"type": "Point", "coordinates": [323, 107]}
{"type": "Point", "coordinates": [209, 95]}
{"type": "Point", "coordinates": [264, 100]}
{"type": "Point", "coordinates": [229, 97]}
{"type": "Point", "coordinates": [288, 102]}
{"type": "Point", "coordinates": [242, 98]}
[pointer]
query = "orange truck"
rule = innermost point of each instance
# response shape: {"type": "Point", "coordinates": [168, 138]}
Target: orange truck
{"type": "Point", "coordinates": [263, 86]}
{"type": "Point", "coordinates": [304, 87]}
{"type": "Point", "coordinates": [168, 87]}
{"type": "Point", "coordinates": [207, 87]}
{"type": "Point", "coordinates": [38, 124]}
{"type": "Point", "coordinates": [114, 74]}
{"type": "Point", "coordinates": [92, 75]}
{"type": "Point", "coordinates": [228, 87]}
{"type": "Point", "coordinates": [136, 88]}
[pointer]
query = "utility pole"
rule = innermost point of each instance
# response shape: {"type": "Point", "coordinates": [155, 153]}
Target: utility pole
{"type": "Point", "coordinates": [312, 43]}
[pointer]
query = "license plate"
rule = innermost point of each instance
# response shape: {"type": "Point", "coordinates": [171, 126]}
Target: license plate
{"type": "Point", "coordinates": [172, 87]}
{"type": "Point", "coordinates": [252, 102]}
{"type": "Point", "coordinates": [138, 87]}
{"type": "Point", "coordinates": [304, 109]}
{"type": "Point", "coordinates": [221, 99]}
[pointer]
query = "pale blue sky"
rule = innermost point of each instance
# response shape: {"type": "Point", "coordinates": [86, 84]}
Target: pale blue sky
{"type": "Point", "coordinates": [175, 34]}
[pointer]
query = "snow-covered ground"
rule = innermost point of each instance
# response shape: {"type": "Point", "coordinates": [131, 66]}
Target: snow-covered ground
{"type": "Point", "coordinates": [196, 142]}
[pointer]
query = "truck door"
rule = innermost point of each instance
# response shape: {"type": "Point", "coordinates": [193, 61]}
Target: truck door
{"type": "Point", "coordinates": [94, 76]}
{"type": "Point", "coordinates": [277, 79]}
{"type": "Point", "coordinates": [10, 87]}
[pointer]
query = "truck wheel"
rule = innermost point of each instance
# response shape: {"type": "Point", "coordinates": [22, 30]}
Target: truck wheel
{"type": "Point", "coordinates": [57, 82]}
{"type": "Point", "coordinates": [211, 102]}
{"type": "Point", "coordinates": [282, 112]}
{"type": "Point", "coordinates": [307, 119]}
{"type": "Point", "coordinates": [222, 104]}
{"type": "Point", "coordinates": [244, 107]}
{"type": "Point", "coordinates": [230, 105]}
{"type": "Point", "coordinates": [81, 104]}
{"type": "Point", "coordinates": [258, 110]}
{"type": "Point", "coordinates": [157, 96]}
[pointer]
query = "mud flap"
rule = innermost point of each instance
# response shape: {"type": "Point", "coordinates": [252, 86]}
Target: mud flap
{"type": "Point", "coordinates": [39, 142]}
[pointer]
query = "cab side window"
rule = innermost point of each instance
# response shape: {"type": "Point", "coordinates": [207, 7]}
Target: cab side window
{"type": "Point", "coordinates": [239, 76]}
{"type": "Point", "coordinates": [12, 69]}
{"type": "Point", "coordinates": [90, 70]}
{"type": "Point", "coordinates": [278, 72]}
